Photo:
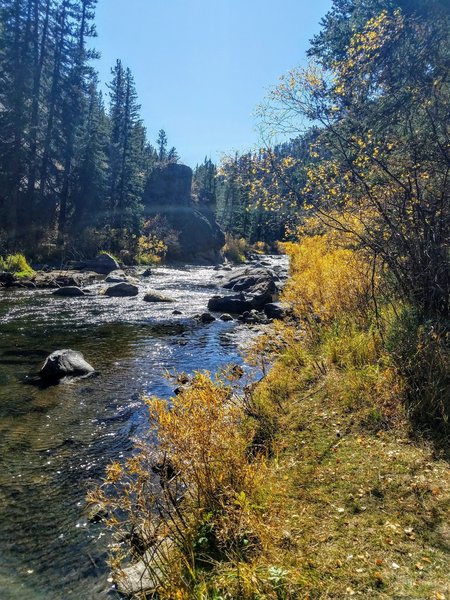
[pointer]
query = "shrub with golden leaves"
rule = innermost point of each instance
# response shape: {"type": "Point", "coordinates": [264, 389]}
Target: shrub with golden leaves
{"type": "Point", "coordinates": [328, 281]}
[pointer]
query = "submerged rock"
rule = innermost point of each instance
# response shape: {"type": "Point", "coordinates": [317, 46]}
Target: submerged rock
{"type": "Point", "coordinates": [69, 291]}
{"type": "Point", "coordinates": [65, 363]}
{"type": "Point", "coordinates": [122, 289]}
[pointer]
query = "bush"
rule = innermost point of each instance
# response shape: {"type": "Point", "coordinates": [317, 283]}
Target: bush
{"type": "Point", "coordinates": [328, 281]}
{"type": "Point", "coordinates": [235, 249]}
{"type": "Point", "coordinates": [420, 349]}
{"type": "Point", "coordinates": [17, 264]}
{"type": "Point", "coordinates": [204, 501]}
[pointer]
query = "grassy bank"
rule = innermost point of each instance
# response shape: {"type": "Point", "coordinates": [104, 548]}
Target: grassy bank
{"type": "Point", "coordinates": [328, 479]}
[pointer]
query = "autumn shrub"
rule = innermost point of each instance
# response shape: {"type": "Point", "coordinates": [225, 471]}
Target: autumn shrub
{"type": "Point", "coordinates": [17, 264]}
{"type": "Point", "coordinates": [235, 249]}
{"type": "Point", "coordinates": [199, 492]}
{"type": "Point", "coordinates": [328, 281]}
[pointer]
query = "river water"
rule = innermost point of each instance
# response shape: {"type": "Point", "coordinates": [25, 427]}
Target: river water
{"type": "Point", "coordinates": [56, 442]}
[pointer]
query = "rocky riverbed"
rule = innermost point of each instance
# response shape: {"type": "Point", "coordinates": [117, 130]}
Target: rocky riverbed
{"type": "Point", "coordinates": [56, 440]}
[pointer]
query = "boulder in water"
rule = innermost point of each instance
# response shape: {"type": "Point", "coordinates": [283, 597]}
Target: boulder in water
{"type": "Point", "coordinates": [65, 363]}
{"type": "Point", "coordinates": [122, 289]}
{"type": "Point", "coordinates": [226, 317]}
{"type": "Point", "coordinates": [236, 305]}
{"type": "Point", "coordinates": [69, 291]}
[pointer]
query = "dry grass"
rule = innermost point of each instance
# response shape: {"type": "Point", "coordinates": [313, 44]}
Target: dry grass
{"type": "Point", "coordinates": [355, 506]}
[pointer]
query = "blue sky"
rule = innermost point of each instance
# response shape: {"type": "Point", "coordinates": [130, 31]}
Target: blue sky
{"type": "Point", "coordinates": [202, 66]}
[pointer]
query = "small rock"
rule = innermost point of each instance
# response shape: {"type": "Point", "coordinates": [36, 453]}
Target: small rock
{"type": "Point", "coordinates": [117, 276]}
{"type": "Point", "coordinates": [153, 296]}
{"type": "Point", "coordinates": [147, 273]}
{"type": "Point", "coordinates": [207, 318]}
{"type": "Point", "coordinates": [177, 312]}
{"type": "Point", "coordinates": [226, 317]}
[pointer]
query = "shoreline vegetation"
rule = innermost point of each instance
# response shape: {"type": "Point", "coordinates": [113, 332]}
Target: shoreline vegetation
{"type": "Point", "coordinates": [316, 482]}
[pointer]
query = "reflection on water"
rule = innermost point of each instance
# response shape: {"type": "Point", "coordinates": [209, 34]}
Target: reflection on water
{"type": "Point", "coordinates": [55, 442]}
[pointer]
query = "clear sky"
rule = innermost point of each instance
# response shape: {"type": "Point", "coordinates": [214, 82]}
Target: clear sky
{"type": "Point", "coordinates": [202, 66]}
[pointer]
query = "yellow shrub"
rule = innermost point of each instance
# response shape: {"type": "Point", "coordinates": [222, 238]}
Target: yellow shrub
{"type": "Point", "coordinates": [327, 281]}
{"type": "Point", "coordinates": [235, 249]}
{"type": "Point", "coordinates": [17, 264]}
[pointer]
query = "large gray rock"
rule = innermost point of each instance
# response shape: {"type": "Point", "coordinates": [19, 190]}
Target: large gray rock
{"type": "Point", "coordinates": [259, 285]}
{"type": "Point", "coordinates": [65, 363]}
{"type": "Point", "coordinates": [122, 289]}
{"type": "Point", "coordinates": [248, 279]}
{"type": "Point", "coordinates": [69, 292]}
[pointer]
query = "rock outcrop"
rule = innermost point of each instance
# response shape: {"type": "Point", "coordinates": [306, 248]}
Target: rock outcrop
{"type": "Point", "coordinates": [169, 194]}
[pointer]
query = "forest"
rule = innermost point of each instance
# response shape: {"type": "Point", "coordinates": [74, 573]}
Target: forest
{"type": "Point", "coordinates": [316, 464]}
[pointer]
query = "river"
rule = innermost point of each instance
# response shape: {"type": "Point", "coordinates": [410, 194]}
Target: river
{"type": "Point", "coordinates": [55, 442]}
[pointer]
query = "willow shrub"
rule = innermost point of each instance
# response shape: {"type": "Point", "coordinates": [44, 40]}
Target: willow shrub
{"type": "Point", "coordinates": [327, 281]}
{"type": "Point", "coordinates": [198, 491]}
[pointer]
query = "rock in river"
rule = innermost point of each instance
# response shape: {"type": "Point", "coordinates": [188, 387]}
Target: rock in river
{"type": "Point", "coordinates": [65, 363]}
{"type": "Point", "coordinates": [153, 296]}
{"type": "Point", "coordinates": [69, 291]}
{"type": "Point", "coordinates": [122, 289]}
{"type": "Point", "coordinates": [207, 318]}
{"type": "Point", "coordinates": [235, 305]}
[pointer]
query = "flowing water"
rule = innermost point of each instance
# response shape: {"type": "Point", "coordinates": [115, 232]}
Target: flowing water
{"type": "Point", "coordinates": [55, 442]}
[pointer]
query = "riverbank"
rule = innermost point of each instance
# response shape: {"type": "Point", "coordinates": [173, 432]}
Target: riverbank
{"type": "Point", "coordinates": [316, 483]}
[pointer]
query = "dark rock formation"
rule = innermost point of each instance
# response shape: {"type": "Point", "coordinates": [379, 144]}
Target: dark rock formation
{"type": "Point", "coordinates": [65, 363]}
{"type": "Point", "coordinates": [207, 318]}
{"type": "Point", "coordinates": [168, 193]}
{"type": "Point", "coordinates": [122, 289]}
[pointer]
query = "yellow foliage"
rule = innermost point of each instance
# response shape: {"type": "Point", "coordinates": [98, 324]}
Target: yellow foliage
{"type": "Point", "coordinates": [327, 281]}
